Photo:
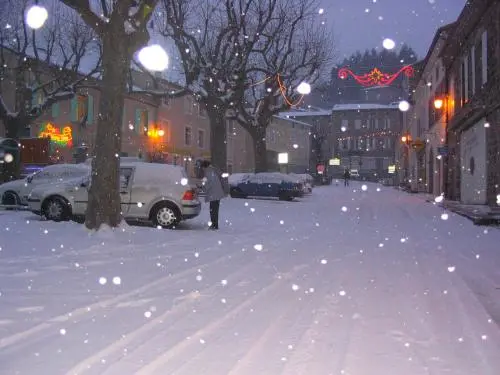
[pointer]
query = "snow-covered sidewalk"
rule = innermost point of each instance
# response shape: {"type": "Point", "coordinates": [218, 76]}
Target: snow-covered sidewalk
{"type": "Point", "coordinates": [344, 281]}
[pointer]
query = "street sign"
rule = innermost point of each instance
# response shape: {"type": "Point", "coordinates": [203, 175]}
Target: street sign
{"type": "Point", "coordinates": [392, 169]}
{"type": "Point", "coordinates": [320, 168]}
{"type": "Point", "coordinates": [443, 151]}
{"type": "Point", "coordinates": [335, 161]}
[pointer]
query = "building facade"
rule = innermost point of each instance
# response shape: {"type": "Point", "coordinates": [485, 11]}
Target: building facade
{"type": "Point", "coordinates": [472, 111]}
{"type": "Point", "coordinates": [366, 137]}
{"type": "Point", "coordinates": [425, 130]}
{"type": "Point", "coordinates": [322, 137]}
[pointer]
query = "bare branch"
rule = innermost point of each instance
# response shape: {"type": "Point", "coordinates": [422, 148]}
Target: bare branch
{"type": "Point", "coordinates": [84, 9]}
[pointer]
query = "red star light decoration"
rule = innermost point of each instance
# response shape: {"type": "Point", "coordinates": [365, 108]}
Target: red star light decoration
{"type": "Point", "coordinates": [376, 77]}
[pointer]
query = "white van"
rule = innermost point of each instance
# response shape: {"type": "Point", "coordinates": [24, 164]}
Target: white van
{"type": "Point", "coordinates": [157, 193]}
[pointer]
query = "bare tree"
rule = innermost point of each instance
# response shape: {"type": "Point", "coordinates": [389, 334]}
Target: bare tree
{"type": "Point", "coordinates": [297, 48]}
{"type": "Point", "coordinates": [215, 41]}
{"type": "Point", "coordinates": [121, 26]}
{"type": "Point", "coordinates": [44, 64]}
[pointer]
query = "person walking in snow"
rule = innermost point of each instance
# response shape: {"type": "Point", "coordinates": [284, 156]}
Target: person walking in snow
{"type": "Point", "coordinates": [347, 176]}
{"type": "Point", "coordinates": [215, 189]}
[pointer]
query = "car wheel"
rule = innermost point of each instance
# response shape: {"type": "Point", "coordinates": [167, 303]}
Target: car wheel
{"type": "Point", "coordinates": [9, 198]}
{"type": "Point", "coordinates": [166, 216]}
{"type": "Point", "coordinates": [55, 209]}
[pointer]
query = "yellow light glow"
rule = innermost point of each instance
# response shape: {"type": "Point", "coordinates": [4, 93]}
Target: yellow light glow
{"type": "Point", "coordinates": [404, 139]}
{"type": "Point", "coordinates": [438, 103]}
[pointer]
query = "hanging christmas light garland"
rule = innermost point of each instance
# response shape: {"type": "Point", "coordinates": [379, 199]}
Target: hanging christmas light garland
{"type": "Point", "coordinates": [282, 89]}
{"type": "Point", "coordinates": [376, 77]}
{"type": "Point", "coordinates": [368, 135]}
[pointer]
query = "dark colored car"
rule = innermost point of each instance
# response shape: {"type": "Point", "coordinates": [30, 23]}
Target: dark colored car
{"type": "Point", "coordinates": [268, 185]}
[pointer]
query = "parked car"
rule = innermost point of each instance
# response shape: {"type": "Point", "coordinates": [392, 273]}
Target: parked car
{"type": "Point", "coordinates": [354, 173]}
{"type": "Point", "coordinates": [269, 185]}
{"type": "Point", "coordinates": [157, 193]}
{"type": "Point", "coordinates": [304, 181]}
{"type": "Point", "coordinates": [16, 192]}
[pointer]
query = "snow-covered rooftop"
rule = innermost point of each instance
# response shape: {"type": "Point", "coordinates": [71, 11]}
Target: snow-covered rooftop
{"type": "Point", "coordinates": [292, 120]}
{"type": "Point", "coordinates": [362, 106]}
{"type": "Point", "coordinates": [304, 113]}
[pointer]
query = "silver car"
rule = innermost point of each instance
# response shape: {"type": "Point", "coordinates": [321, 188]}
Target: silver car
{"type": "Point", "coordinates": [158, 193]}
{"type": "Point", "coordinates": [16, 192]}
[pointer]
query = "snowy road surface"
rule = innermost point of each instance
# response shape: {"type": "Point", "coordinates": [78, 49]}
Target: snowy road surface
{"type": "Point", "coordinates": [342, 282]}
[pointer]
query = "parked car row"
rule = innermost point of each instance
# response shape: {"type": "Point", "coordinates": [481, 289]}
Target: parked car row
{"type": "Point", "coordinates": [267, 185]}
{"type": "Point", "coordinates": [158, 193]}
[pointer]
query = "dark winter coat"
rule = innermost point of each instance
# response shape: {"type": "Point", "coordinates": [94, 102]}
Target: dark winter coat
{"type": "Point", "coordinates": [213, 184]}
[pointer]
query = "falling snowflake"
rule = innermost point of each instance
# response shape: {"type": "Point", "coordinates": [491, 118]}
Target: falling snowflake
{"type": "Point", "coordinates": [147, 314]}
{"type": "Point", "coordinates": [388, 44]}
{"type": "Point", "coordinates": [342, 293]}
{"type": "Point", "coordinates": [223, 282]}
{"type": "Point", "coordinates": [439, 199]}
{"type": "Point", "coordinates": [364, 188]}
{"type": "Point", "coordinates": [324, 261]}
{"type": "Point", "coordinates": [199, 277]}
{"type": "Point", "coordinates": [451, 269]}
{"type": "Point", "coordinates": [444, 216]}
{"type": "Point", "coordinates": [258, 247]}
{"type": "Point", "coordinates": [62, 331]}
{"type": "Point", "coordinates": [103, 280]}
{"type": "Point", "coordinates": [282, 222]}
{"type": "Point", "coordinates": [344, 209]}
{"type": "Point", "coordinates": [295, 287]}
{"type": "Point", "coordinates": [117, 280]}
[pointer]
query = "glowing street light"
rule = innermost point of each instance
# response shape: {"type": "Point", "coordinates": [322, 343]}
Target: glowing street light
{"type": "Point", "coordinates": [438, 103]}
{"type": "Point", "coordinates": [404, 139]}
{"type": "Point", "coordinates": [36, 16]}
{"type": "Point", "coordinates": [304, 88]}
{"type": "Point", "coordinates": [153, 58]}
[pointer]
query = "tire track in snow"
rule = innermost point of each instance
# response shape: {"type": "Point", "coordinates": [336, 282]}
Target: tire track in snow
{"type": "Point", "coordinates": [212, 327]}
{"type": "Point", "coordinates": [174, 315]}
{"type": "Point", "coordinates": [26, 334]}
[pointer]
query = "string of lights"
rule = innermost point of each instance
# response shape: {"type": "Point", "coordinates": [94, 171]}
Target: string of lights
{"type": "Point", "coordinates": [369, 135]}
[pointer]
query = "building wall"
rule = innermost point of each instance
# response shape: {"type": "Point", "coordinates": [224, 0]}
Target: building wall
{"type": "Point", "coordinates": [473, 58]}
{"type": "Point", "coordinates": [428, 124]}
{"type": "Point", "coordinates": [286, 135]}
{"type": "Point", "coordinates": [367, 140]}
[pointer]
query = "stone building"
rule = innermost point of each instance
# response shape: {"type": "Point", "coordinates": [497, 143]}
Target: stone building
{"type": "Point", "coordinates": [472, 62]}
{"type": "Point", "coordinates": [366, 137]}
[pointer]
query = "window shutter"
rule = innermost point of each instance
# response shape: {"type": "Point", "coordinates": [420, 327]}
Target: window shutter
{"type": "Point", "coordinates": [137, 122]}
{"type": "Point", "coordinates": [90, 109]}
{"type": "Point", "coordinates": [55, 110]}
{"type": "Point", "coordinates": [74, 109]}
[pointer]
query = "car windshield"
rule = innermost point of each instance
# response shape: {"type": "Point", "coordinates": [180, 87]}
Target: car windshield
{"type": "Point", "coordinates": [250, 187]}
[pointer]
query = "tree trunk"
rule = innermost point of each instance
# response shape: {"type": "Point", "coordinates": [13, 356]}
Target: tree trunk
{"type": "Point", "coordinates": [104, 196]}
{"type": "Point", "coordinates": [218, 137]}
{"type": "Point", "coordinates": [259, 149]}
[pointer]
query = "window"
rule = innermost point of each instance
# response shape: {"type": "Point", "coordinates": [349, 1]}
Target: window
{"type": "Point", "coordinates": [470, 80]}
{"type": "Point", "coordinates": [345, 124]}
{"type": "Point", "coordinates": [125, 177]}
{"type": "Point", "coordinates": [463, 84]}
{"type": "Point", "coordinates": [376, 123]}
{"type": "Point", "coordinates": [81, 107]}
{"type": "Point", "coordinates": [484, 56]}
{"type": "Point", "coordinates": [387, 124]}
{"type": "Point", "coordinates": [201, 110]}
{"type": "Point", "coordinates": [141, 120]}
{"type": "Point", "coordinates": [201, 138]}
{"type": "Point", "coordinates": [166, 101]}
{"type": "Point", "coordinates": [230, 126]}
{"type": "Point", "coordinates": [188, 105]}
{"type": "Point", "coordinates": [357, 124]}
{"type": "Point", "coordinates": [188, 136]}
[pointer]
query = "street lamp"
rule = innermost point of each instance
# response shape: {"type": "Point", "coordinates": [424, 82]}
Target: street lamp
{"type": "Point", "coordinates": [438, 103]}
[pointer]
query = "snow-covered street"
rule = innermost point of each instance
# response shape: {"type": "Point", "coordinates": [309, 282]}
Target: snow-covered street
{"type": "Point", "coordinates": [345, 281]}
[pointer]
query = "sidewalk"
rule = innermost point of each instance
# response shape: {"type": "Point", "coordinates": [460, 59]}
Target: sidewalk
{"type": "Point", "coordinates": [478, 214]}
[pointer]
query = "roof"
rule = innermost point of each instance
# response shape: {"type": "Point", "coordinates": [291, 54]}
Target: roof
{"type": "Point", "coordinates": [304, 113]}
{"type": "Point", "coordinates": [439, 34]}
{"type": "Point", "coordinates": [293, 120]}
{"type": "Point", "coordinates": [362, 106]}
